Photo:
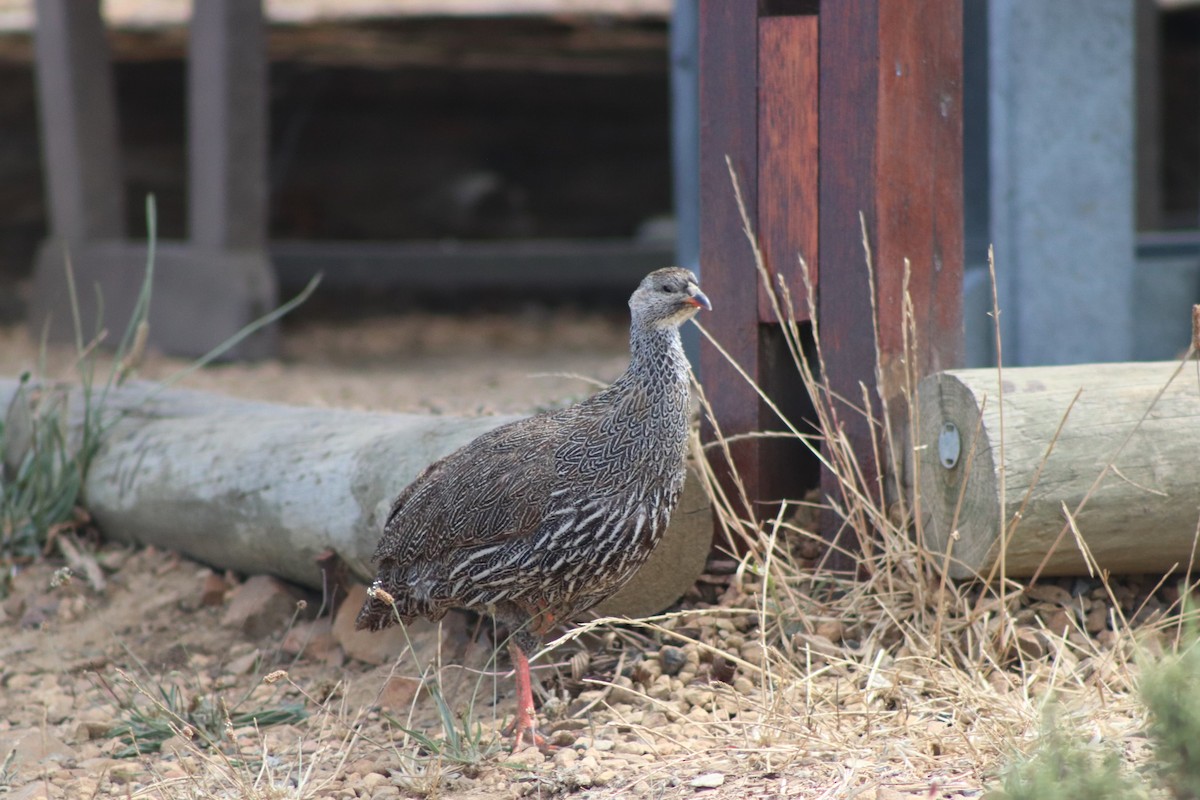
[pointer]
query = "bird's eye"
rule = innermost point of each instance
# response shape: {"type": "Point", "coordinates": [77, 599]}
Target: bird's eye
{"type": "Point", "coordinates": [664, 288]}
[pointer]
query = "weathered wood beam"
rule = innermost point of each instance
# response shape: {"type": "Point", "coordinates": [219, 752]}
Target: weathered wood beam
{"type": "Point", "coordinates": [77, 104]}
{"type": "Point", "coordinates": [205, 291]}
{"type": "Point", "coordinates": [266, 488]}
{"type": "Point", "coordinates": [758, 108]}
{"type": "Point", "coordinates": [227, 125]}
{"type": "Point", "coordinates": [787, 157]}
{"type": "Point", "coordinates": [729, 128]}
{"type": "Point", "coordinates": [976, 480]}
{"type": "Point", "coordinates": [891, 149]}
{"type": "Point", "coordinates": [525, 266]}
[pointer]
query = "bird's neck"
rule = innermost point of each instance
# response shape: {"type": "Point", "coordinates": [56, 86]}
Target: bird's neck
{"type": "Point", "coordinates": [656, 354]}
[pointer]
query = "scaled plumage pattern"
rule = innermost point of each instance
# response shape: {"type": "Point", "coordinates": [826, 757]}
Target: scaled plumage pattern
{"type": "Point", "coordinates": [540, 519]}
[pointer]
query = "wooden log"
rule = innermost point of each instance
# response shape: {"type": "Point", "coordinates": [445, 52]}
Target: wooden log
{"type": "Point", "coordinates": [266, 488]}
{"type": "Point", "coordinates": [1138, 475]}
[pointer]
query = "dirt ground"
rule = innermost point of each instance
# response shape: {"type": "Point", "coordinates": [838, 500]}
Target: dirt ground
{"type": "Point", "coordinates": [235, 688]}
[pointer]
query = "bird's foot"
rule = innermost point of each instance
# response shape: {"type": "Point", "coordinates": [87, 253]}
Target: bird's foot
{"type": "Point", "coordinates": [524, 733]}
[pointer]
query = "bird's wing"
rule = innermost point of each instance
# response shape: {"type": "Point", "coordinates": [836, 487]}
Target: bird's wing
{"type": "Point", "coordinates": [493, 489]}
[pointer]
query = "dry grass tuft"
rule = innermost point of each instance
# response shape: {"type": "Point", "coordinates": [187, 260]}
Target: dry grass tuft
{"type": "Point", "coordinates": [892, 674]}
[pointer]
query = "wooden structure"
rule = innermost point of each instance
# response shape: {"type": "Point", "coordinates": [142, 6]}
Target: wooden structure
{"type": "Point", "coordinates": [1113, 445]}
{"type": "Point", "coordinates": [209, 287]}
{"type": "Point", "coordinates": [828, 110]}
{"type": "Point", "coordinates": [226, 272]}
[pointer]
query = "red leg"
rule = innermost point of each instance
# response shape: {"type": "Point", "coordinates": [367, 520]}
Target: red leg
{"type": "Point", "coordinates": [525, 716]}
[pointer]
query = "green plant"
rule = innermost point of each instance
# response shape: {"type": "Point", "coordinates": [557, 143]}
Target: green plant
{"type": "Point", "coordinates": [201, 718]}
{"type": "Point", "coordinates": [41, 476]}
{"type": "Point", "coordinates": [45, 457]}
{"type": "Point", "coordinates": [1064, 767]}
{"type": "Point", "coordinates": [463, 742]}
{"type": "Point", "coordinates": [1171, 691]}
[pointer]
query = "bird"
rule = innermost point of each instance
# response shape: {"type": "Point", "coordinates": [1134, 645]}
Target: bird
{"type": "Point", "coordinates": [538, 520]}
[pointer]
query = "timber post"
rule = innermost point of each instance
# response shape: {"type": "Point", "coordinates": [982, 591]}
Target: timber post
{"type": "Point", "coordinates": [826, 111]}
{"type": "Point", "coordinates": [207, 288]}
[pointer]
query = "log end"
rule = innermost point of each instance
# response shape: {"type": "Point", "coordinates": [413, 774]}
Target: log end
{"type": "Point", "coordinates": [953, 485]}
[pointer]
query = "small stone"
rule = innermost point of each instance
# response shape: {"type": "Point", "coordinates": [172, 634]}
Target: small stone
{"type": "Point", "coordinates": [1096, 619]}
{"type": "Point", "coordinates": [1031, 644]}
{"type": "Point", "coordinates": [708, 780]}
{"type": "Point", "coordinates": [32, 745]}
{"type": "Point", "coordinates": [622, 691]}
{"type": "Point", "coordinates": [1048, 593]}
{"type": "Point", "coordinates": [212, 589]}
{"type": "Point", "coordinates": [722, 669]}
{"type": "Point", "coordinates": [362, 766]}
{"type": "Point", "coordinates": [565, 757]}
{"type": "Point", "coordinates": [698, 696]}
{"type": "Point", "coordinates": [31, 791]}
{"type": "Point", "coordinates": [753, 653]}
{"type": "Point", "coordinates": [603, 745]}
{"type": "Point", "coordinates": [831, 629]}
{"type": "Point", "coordinates": [14, 605]}
{"type": "Point", "coordinates": [90, 729]}
{"type": "Point", "coordinates": [1149, 611]}
{"type": "Point", "coordinates": [661, 690]}
{"type": "Point", "coordinates": [399, 691]}
{"type": "Point", "coordinates": [313, 638]}
{"type": "Point", "coordinates": [176, 746]}
{"type": "Point", "coordinates": [244, 664]}
{"type": "Point", "coordinates": [604, 777]}
{"type": "Point", "coordinates": [647, 671]}
{"type": "Point", "coordinates": [60, 708]}
{"type": "Point", "coordinates": [373, 780]}
{"type": "Point", "coordinates": [816, 644]}
{"type": "Point", "coordinates": [260, 606]}
{"type": "Point", "coordinates": [672, 659]}
{"type": "Point", "coordinates": [114, 558]}
{"type": "Point", "coordinates": [562, 738]}
{"type": "Point", "coordinates": [529, 756]}
{"type": "Point", "coordinates": [1057, 622]}
{"type": "Point", "coordinates": [39, 609]}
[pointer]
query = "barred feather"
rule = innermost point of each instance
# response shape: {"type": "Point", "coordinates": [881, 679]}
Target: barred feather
{"type": "Point", "coordinates": [539, 520]}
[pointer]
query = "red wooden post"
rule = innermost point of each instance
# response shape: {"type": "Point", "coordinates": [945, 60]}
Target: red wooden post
{"type": "Point", "coordinates": [826, 114]}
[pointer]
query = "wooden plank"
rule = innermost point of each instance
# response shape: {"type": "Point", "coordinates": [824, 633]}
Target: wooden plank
{"type": "Point", "coordinates": [527, 267]}
{"type": "Point", "coordinates": [787, 155]}
{"type": "Point", "coordinates": [847, 120]}
{"type": "Point", "coordinates": [227, 125]}
{"type": "Point", "coordinates": [77, 106]}
{"type": "Point", "coordinates": [890, 131]}
{"type": "Point", "coordinates": [728, 127]}
{"type": "Point", "coordinates": [919, 197]}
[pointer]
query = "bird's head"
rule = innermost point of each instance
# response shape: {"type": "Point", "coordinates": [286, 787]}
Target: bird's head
{"type": "Point", "coordinates": [667, 298]}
